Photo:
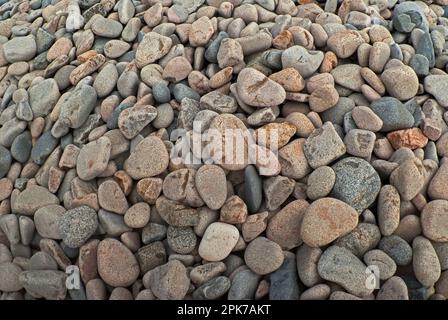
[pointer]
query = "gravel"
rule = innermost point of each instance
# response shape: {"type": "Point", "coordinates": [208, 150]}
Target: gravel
{"type": "Point", "coordinates": [205, 150]}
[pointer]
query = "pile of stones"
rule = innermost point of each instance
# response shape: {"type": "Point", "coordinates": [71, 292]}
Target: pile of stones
{"type": "Point", "coordinates": [347, 198]}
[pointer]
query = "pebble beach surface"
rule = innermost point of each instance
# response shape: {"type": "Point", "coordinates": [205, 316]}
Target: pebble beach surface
{"type": "Point", "coordinates": [338, 187]}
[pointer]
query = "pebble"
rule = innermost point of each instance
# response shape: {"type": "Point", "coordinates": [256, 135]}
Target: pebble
{"type": "Point", "coordinates": [117, 266]}
{"type": "Point", "coordinates": [210, 182]}
{"type": "Point", "coordinates": [345, 42]}
{"type": "Point", "coordinates": [333, 101]}
{"type": "Point", "coordinates": [342, 267]}
{"type": "Point", "coordinates": [425, 262]}
{"type": "Point", "coordinates": [93, 158]}
{"type": "Point", "coordinates": [366, 119]}
{"type": "Point", "coordinates": [43, 97]}
{"type": "Point", "coordinates": [132, 120]}
{"type": "Point", "coordinates": [305, 61]}
{"type": "Point", "coordinates": [263, 256]}
{"type": "Point", "coordinates": [437, 86]}
{"type": "Point", "coordinates": [77, 225]}
{"type": "Point", "coordinates": [47, 284]}
{"type": "Point", "coordinates": [403, 89]}
{"type": "Point", "coordinates": [255, 89]}
{"type": "Point", "coordinates": [169, 281]}
{"type": "Point", "coordinates": [43, 147]}
{"type": "Point", "coordinates": [323, 146]}
{"type": "Point", "coordinates": [388, 209]}
{"type": "Point", "coordinates": [284, 281]}
{"type": "Point", "coordinates": [5, 161]}
{"type": "Point", "coordinates": [218, 241]}
{"type": "Point", "coordinates": [9, 277]}
{"type": "Point", "coordinates": [348, 76]}
{"type": "Point", "coordinates": [107, 28]}
{"type": "Point", "coordinates": [398, 249]}
{"type": "Point", "coordinates": [149, 158]}
{"type": "Point", "coordinates": [393, 289]}
{"type": "Point", "coordinates": [284, 227]}
{"type": "Point", "coordinates": [152, 47]}
{"type": "Point", "coordinates": [358, 188]}
{"type": "Point", "coordinates": [253, 189]}
{"type": "Point", "coordinates": [386, 266]}
{"type": "Point", "coordinates": [31, 199]}
{"type": "Point", "coordinates": [138, 215]}
{"type": "Point", "coordinates": [21, 147]}
{"type": "Point", "coordinates": [433, 217]}
{"type": "Point", "coordinates": [20, 49]}
{"type": "Point", "coordinates": [361, 239]}
{"type": "Point", "coordinates": [320, 182]}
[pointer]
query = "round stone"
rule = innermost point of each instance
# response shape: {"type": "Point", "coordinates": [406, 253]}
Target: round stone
{"type": "Point", "coordinates": [434, 220]}
{"type": "Point", "coordinates": [401, 82]}
{"type": "Point", "coordinates": [263, 256]}
{"type": "Point", "coordinates": [211, 184]}
{"type": "Point", "coordinates": [138, 215]}
{"type": "Point", "coordinates": [325, 220]}
{"type": "Point", "coordinates": [149, 158]}
{"type": "Point", "coordinates": [218, 241]}
{"type": "Point", "coordinates": [117, 266]}
{"type": "Point", "coordinates": [320, 182]}
{"type": "Point", "coordinates": [357, 183]}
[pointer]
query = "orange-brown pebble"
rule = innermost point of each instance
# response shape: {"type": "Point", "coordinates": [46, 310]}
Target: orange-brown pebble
{"type": "Point", "coordinates": [408, 138]}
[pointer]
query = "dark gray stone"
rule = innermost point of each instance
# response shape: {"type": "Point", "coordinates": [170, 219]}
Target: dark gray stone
{"type": "Point", "coordinates": [393, 113]}
{"type": "Point", "coordinates": [284, 281]}
{"type": "Point", "coordinates": [253, 189]}
{"type": "Point", "coordinates": [397, 248]}
{"type": "Point", "coordinates": [44, 147]}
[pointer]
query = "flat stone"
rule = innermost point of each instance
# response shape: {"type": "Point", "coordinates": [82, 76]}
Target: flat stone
{"type": "Point", "coordinates": [323, 146]}
{"type": "Point", "coordinates": [153, 47]}
{"type": "Point", "coordinates": [437, 85]}
{"type": "Point", "coordinates": [342, 267]}
{"type": "Point", "coordinates": [43, 97]}
{"type": "Point", "coordinates": [434, 218]}
{"type": "Point", "coordinates": [93, 158]}
{"type": "Point", "coordinates": [255, 89]}
{"type": "Point", "coordinates": [20, 49]}
{"type": "Point", "coordinates": [48, 284]}
{"type": "Point", "coordinates": [33, 198]}
{"type": "Point", "coordinates": [305, 61]}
